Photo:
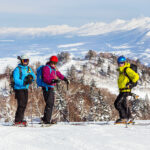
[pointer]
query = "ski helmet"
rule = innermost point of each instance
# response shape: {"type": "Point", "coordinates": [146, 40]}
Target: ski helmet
{"type": "Point", "coordinates": [121, 59]}
{"type": "Point", "coordinates": [54, 59]}
{"type": "Point", "coordinates": [24, 57]}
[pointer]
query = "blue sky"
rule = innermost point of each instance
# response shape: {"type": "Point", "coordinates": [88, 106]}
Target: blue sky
{"type": "Point", "coordinates": [40, 13]}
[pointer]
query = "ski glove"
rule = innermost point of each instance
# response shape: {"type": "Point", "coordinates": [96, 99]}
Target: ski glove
{"type": "Point", "coordinates": [28, 79]}
{"type": "Point", "coordinates": [66, 80]}
{"type": "Point", "coordinates": [55, 81]}
{"type": "Point", "coordinates": [130, 85]}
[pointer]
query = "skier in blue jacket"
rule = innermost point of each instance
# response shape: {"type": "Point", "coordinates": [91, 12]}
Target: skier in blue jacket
{"type": "Point", "coordinates": [23, 76]}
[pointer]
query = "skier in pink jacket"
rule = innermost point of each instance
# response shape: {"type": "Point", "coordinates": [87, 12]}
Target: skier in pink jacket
{"type": "Point", "coordinates": [51, 76]}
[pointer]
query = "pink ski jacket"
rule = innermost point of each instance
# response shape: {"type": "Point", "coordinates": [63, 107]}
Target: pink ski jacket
{"type": "Point", "coordinates": [48, 77]}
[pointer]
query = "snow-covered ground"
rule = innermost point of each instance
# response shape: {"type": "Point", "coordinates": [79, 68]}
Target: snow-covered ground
{"type": "Point", "coordinates": [76, 137]}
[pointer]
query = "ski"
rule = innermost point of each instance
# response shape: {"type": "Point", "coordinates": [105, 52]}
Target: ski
{"type": "Point", "coordinates": [14, 125]}
{"type": "Point", "coordinates": [141, 124]}
{"type": "Point", "coordinates": [21, 125]}
{"type": "Point", "coordinates": [46, 125]}
{"type": "Point", "coordinates": [124, 123]}
{"type": "Point", "coordinates": [86, 123]}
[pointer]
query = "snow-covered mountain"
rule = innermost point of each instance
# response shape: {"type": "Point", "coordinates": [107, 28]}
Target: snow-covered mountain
{"type": "Point", "coordinates": [130, 38]}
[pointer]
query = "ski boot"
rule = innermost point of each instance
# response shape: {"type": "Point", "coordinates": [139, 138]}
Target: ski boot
{"type": "Point", "coordinates": [45, 123]}
{"type": "Point", "coordinates": [131, 121]}
{"type": "Point", "coordinates": [24, 122]}
{"type": "Point", "coordinates": [121, 121]}
{"type": "Point", "coordinates": [53, 121]}
{"type": "Point", "coordinates": [20, 124]}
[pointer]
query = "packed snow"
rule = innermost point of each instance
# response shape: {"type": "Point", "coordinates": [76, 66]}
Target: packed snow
{"type": "Point", "coordinates": [94, 136]}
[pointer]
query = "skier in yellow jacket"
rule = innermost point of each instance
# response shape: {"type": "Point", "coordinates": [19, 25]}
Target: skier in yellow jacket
{"type": "Point", "coordinates": [126, 81]}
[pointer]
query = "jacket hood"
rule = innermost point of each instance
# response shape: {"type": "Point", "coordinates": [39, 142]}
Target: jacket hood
{"type": "Point", "coordinates": [21, 66]}
{"type": "Point", "coordinates": [48, 63]}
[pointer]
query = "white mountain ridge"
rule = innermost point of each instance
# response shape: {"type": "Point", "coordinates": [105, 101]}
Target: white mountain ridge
{"type": "Point", "coordinates": [89, 29]}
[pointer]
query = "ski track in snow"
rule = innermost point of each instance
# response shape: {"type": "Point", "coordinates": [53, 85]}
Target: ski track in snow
{"type": "Point", "coordinates": [75, 137]}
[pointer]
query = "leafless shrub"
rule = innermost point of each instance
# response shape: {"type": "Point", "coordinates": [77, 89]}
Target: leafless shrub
{"type": "Point", "coordinates": [63, 57]}
{"type": "Point", "coordinates": [91, 54]}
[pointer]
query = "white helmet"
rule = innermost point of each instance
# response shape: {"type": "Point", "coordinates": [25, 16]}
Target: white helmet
{"type": "Point", "coordinates": [24, 57]}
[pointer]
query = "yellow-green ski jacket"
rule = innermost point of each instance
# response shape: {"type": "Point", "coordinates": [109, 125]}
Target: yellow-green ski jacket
{"type": "Point", "coordinates": [123, 79]}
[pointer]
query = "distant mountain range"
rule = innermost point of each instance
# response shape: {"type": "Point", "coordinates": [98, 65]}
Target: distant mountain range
{"type": "Point", "coordinates": [130, 38]}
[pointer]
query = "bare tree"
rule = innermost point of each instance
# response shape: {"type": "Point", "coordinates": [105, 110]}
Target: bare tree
{"type": "Point", "coordinates": [91, 54]}
{"type": "Point", "coordinates": [63, 57]}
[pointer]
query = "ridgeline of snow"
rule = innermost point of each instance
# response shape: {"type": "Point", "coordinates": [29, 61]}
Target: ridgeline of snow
{"type": "Point", "coordinates": [76, 137]}
{"type": "Point", "coordinates": [96, 28]}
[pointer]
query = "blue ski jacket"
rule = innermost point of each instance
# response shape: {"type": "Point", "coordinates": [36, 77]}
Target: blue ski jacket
{"type": "Point", "coordinates": [25, 71]}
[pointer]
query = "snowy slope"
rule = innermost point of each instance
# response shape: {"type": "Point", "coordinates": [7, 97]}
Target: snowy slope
{"type": "Point", "coordinates": [69, 137]}
{"type": "Point", "coordinates": [106, 82]}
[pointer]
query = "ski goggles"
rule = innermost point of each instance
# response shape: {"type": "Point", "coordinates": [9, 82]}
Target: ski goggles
{"type": "Point", "coordinates": [25, 60]}
{"type": "Point", "coordinates": [121, 63]}
{"type": "Point", "coordinates": [54, 63]}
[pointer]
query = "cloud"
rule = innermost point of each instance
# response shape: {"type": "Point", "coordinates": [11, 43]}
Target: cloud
{"type": "Point", "coordinates": [147, 50]}
{"type": "Point", "coordinates": [7, 40]}
{"type": "Point", "coordinates": [50, 30]}
{"type": "Point", "coordinates": [90, 29]}
{"type": "Point", "coordinates": [70, 45]}
{"type": "Point", "coordinates": [124, 46]}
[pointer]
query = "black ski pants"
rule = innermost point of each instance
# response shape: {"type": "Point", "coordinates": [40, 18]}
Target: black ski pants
{"type": "Point", "coordinates": [49, 98]}
{"type": "Point", "coordinates": [22, 99]}
{"type": "Point", "coordinates": [121, 104]}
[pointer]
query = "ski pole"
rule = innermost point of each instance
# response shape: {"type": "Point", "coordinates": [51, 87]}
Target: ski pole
{"type": "Point", "coordinates": [60, 101]}
{"type": "Point", "coordinates": [135, 96]}
{"type": "Point", "coordinates": [61, 111]}
{"type": "Point", "coordinates": [63, 116]}
{"type": "Point", "coordinates": [31, 108]}
{"type": "Point", "coordinates": [67, 87]}
{"type": "Point", "coordinates": [127, 104]}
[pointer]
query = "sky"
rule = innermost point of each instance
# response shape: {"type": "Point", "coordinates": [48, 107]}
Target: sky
{"type": "Point", "coordinates": [40, 13]}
